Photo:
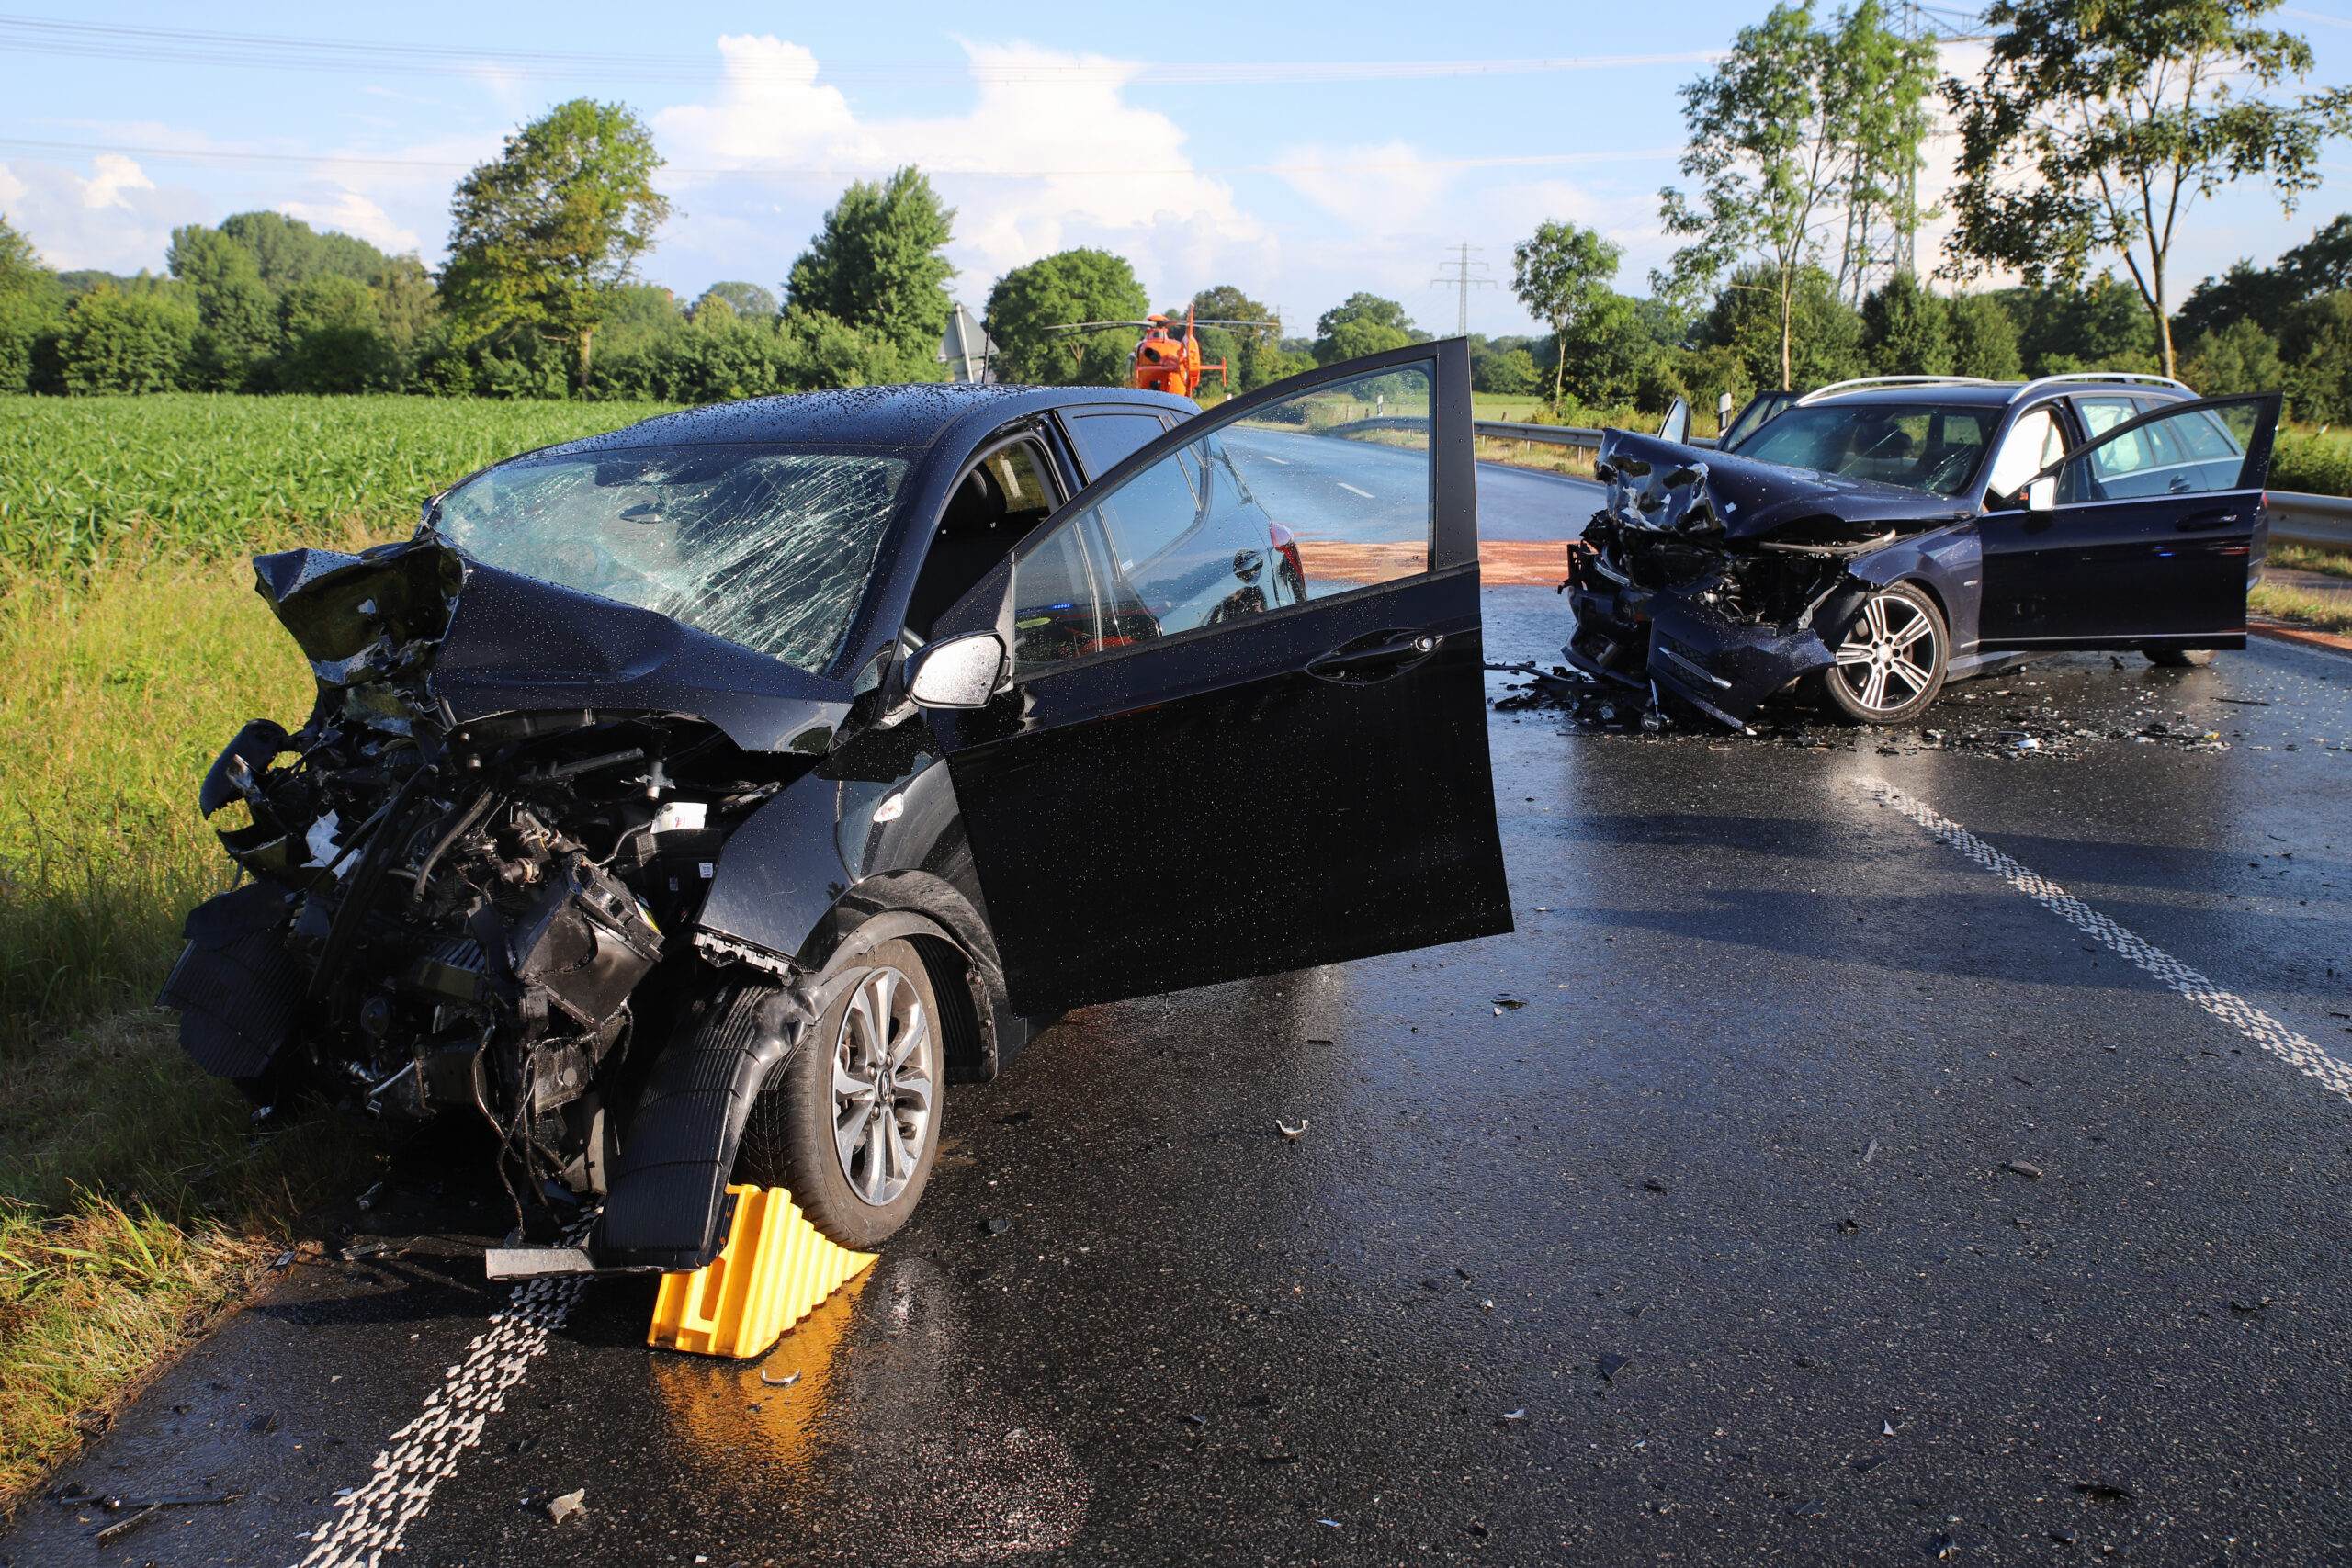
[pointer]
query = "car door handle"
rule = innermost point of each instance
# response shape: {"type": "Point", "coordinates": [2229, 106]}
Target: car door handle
{"type": "Point", "coordinates": [1375, 656]}
{"type": "Point", "coordinates": [2204, 520]}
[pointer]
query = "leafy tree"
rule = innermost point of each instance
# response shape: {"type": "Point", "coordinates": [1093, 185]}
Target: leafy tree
{"type": "Point", "coordinates": [1511, 374]}
{"type": "Point", "coordinates": [1356, 336]}
{"type": "Point", "coordinates": [1880, 81]}
{"type": "Point", "coordinates": [31, 308]}
{"type": "Point", "coordinates": [408, 313]}
{"type": "Point", "coordinates": [1983, 338]}
{"type": "Point", "coordinates": [1770, 134]}
{"type": "Point", "coordinates": [743, 299]}
{"type": "Point", "coordinates": [1807, 337]}
{"type": "Point", "coordinates": [2098, 327]}
{"type": "Point", "coordinates": [543, 238]}
{"type": "Point", "coordinates": [877, 266]}
{"type": "Point", "coordinates": [1562, 276]}
{"type": "Point", "coordinates": [332, 334]}
{"type": "Point", "coordinates": [118, 341]}
{"type": "Point", "coordinates": [2239, 358]}
{"type": "Point", "coordinates": [237, 329]}
{"type": "Point", "coordinates": [2319, 265]}
{"type": "Point", "coordinates": [1605, 352]}
{"type": "Point", "coordinates": [2093, 128]}
{"type": "Point", "coordinates": [286, 250]}
{"type": "Point", "coordinates": [1906, 331]}
{"type": "Point", "coordinates": [2318, 340]}
{"type": "Point", "coordinates": [1363, 308]}
{"type": "Point", "coordinates": [1058, 290]}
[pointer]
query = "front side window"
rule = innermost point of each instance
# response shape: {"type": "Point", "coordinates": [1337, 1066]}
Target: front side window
{"type": "Point", "coordinates": [1303, 498]}
{"type": "Point", "coordinates": [1922, 447]}
{"type": "Point", "coordinates": [769, 547]}
{"type": "Point", "coordinates": [2196, 451]}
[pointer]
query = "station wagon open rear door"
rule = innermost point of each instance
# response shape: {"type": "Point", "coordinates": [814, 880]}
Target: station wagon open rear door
{"type": "Point", "coordinates": [1244, 728]}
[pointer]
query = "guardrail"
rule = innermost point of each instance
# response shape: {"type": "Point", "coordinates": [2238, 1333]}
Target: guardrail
{"type": "Point", "coordinates": [2321, 522]}
{"type": "Point", "coordinates": [1581, 435]}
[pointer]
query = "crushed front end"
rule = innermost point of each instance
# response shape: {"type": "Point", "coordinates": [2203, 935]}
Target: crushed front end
{"type": "Point", "coordinates": [1719, 580]}
{"type": "Point", "coordinates": [446, 916]}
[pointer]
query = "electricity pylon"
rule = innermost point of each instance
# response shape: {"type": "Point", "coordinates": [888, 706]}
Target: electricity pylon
{"type": "Point", "coordinates": [1462, 279]}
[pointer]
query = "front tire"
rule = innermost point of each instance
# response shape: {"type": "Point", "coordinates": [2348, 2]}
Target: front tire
{"type": "Point", "coordinates": [851, 1121]}
{"type": "Point", "coordinates": [1892, 662]}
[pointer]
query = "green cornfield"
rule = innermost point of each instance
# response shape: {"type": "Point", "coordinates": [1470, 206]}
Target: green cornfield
{"type": "Point", "coordinates": [193, 475]}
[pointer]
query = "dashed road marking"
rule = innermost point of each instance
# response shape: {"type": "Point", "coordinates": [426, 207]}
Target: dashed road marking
{"type": "Point", "coordinates": [1351, 490]}
{"type": "Point", "coordinates": [424, 1453]}
{"type": "Point", "coordinates": [2232, 1010]}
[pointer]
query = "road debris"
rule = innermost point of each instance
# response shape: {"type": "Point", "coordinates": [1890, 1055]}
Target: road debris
{"type": "Point", "coordinates": [1867, 1153]}
{"type": "Point", "coordinates": [2026, 1169]}
{"type": "Point", "coordinates": [1865, 1465]}
{"type": "Point", "coordinates": [1944, 1547]}
{"type": "Point", "coordinates": [1886, 1428]}
{"type": "Point", "coordinates": [2102, 1491]}
{"type": "Point", "coordinates": [998, 1224]}
{"type": "Point", "coordinates": [571, 1503]}
{"type": "Point", "coordinates": [779, 1382]}
{"type": "Point", "coordinates": [116, 1530]}
{"type": "Point", "coordinates": [1652, 1184]}
{"type": "Point", "coordinates": [1612, 1365]}
{"type": "Point", "coordinates": [1518, 1414]}
{"type": "Point", "coordinates": [1507, 1000]}
{"type": "Point", "coordinates": [1808, 1508]}
{"type": "Point", "coordinates": [1292, 1132]}
{"type": "Point", "coordinates": [1015, 1119]}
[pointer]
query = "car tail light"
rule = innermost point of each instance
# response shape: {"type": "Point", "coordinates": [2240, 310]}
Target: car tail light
{"type": "Point", "coordinates": [1286, 542]}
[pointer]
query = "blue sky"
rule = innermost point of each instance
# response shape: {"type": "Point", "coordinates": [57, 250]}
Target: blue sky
{"type": "Point", "coordinates": [1218, 154]}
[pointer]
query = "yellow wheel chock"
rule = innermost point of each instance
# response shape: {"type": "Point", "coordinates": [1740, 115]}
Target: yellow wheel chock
{"type": "Point", "coordinates": [775, 1270]}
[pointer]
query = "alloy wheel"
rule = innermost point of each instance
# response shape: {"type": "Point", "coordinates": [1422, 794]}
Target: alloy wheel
{"type": "Point", "coordinates": [885, 1074]}
{"type": "Point", "coordinates": [1891, 656]}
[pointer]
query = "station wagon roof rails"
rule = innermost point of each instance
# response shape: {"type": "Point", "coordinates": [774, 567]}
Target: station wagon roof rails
{"type": "Point", "coordinates": [2133, 376]}
{"type": "Point", "coordinates": [1860, 381]}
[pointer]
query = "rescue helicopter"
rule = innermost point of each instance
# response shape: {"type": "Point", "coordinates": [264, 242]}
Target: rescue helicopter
{"type": "Point", "coordinates": [1169, 358]}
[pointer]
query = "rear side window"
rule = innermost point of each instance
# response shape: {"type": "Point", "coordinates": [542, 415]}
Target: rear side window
{"type": "Point", "coordinates": [1104, 439]}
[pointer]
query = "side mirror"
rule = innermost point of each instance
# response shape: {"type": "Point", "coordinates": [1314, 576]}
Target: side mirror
{"type": "Point", "coordinates": [961, 673]}
{"type": "Point", "coordinates": [1676, 426]}
{"type": "Point", "coordinates": [2041, 494]}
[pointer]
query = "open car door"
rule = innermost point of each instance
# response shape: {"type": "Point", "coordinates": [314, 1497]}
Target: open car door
{"type": "Point", "coordinates": [2145, 539]}
{"type": "Point", "coordinates": [1239, 726]}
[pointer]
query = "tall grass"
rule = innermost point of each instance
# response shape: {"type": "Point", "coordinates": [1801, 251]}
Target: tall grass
{"type": "Point", "coordinates": [83, 478]}
{"type": "Point", "coordinates": [135, 1200]}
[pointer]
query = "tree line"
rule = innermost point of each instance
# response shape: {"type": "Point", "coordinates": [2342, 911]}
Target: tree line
{"type": "Point", "coordinates": [2086, 139]}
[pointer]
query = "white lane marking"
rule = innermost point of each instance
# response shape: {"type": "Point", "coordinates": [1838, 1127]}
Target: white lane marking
{"type": "Point", "coordinates": [2232, 1010]}
{"type": "Point", "coordinates": [1282, 462]}
{"type": "Point", "coordinates": [1351, 490]}
{"type": "Point", "coordinates": [424, 1453]}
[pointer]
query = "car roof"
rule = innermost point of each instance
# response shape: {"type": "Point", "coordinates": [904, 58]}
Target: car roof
{"type": "Point", "coordinates": [1996, 394]}
{"type": "Point", "coordinates": [911, 415]}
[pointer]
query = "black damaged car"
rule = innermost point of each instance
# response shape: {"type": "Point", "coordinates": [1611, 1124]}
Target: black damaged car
{"type": "Point", "coordinates": [1870, 541]}
{"type": "Point", "coordinates": [695, 803]}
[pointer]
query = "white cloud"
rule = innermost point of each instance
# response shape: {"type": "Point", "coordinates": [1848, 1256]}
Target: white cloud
{"type": "Point", "coordinates": [1033, 166]}
{"type": "Point", "coordinates": [1381, 189]}
{"type": "Point", "coordinates": [353, 214]}
{"type": "Point", "coordinates": [117, 219]}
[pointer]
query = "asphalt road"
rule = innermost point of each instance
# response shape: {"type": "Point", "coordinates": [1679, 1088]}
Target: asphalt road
{"type": "Point", "coordinates": [1840, 1193]}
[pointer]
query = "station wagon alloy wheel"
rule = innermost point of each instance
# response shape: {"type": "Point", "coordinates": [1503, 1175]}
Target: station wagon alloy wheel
{"type": "Point", "coordinates": [885, 1085]}
{"type": "Point", "coordinates": [1892, 663]}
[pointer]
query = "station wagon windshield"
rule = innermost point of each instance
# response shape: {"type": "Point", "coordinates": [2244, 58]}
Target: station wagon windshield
{"type": "Point", "coordinates": [1927, 447]}
{"type": "Point", "coordinates": [769, 547]}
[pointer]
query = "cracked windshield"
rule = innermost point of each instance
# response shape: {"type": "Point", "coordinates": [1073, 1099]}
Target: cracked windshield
{"type": "Point", "coordinates": [765, 547]}
{"type": "Point", "coordinates": [1308, 497]}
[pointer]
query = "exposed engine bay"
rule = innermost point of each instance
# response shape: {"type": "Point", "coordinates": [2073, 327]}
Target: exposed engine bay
{"type": "Point", "coordinates": [454, 917]}
{"type": "Point", "coordinates": [1723, 580]}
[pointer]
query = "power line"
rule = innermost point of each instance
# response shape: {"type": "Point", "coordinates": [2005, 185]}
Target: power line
{"type": "Point", "coordinates": [216, 155]}
{"type": "Point", "coordinates": [1462, 279]}
{"type": "Point", "coordinates": [185, 47]}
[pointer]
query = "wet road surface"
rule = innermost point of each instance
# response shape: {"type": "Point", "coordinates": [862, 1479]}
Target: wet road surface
{"type": "Point", "coordinates": [1789, 1187]}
